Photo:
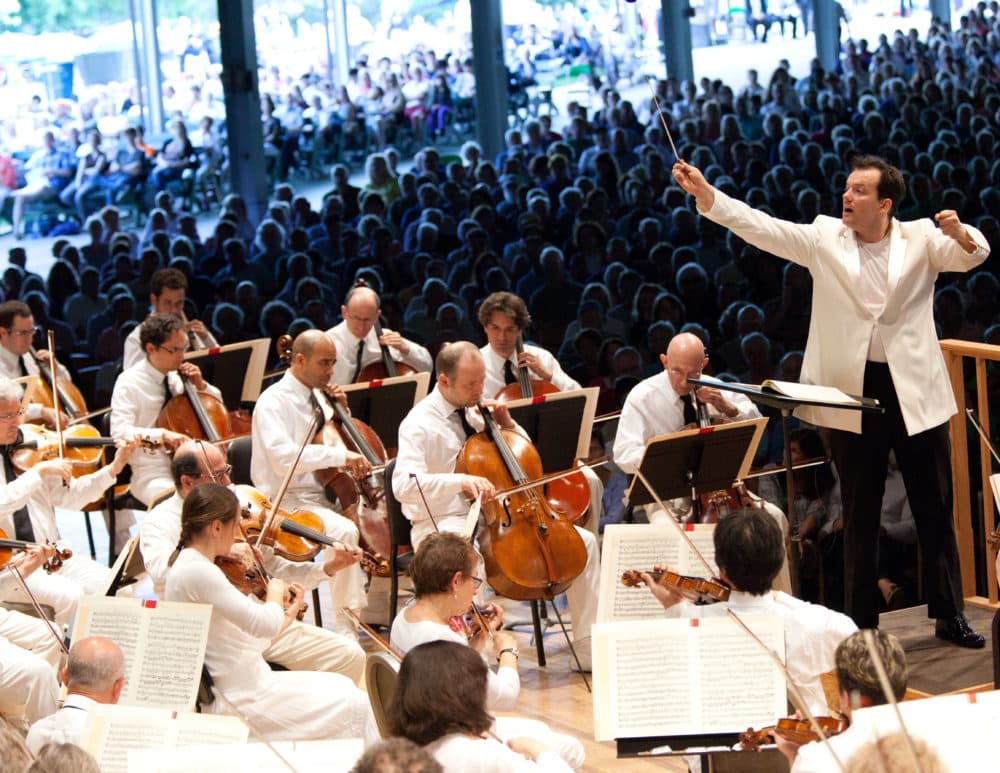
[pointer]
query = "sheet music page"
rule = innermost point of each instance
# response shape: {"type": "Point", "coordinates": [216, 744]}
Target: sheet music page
{"type": "Point", "coordinates": [335, 756]}
{"type": "Point", "coordinates": [641, 546]}
{"type": "Point", "coordinates": [685, 677]}
{"type": "Point", "coordinates": [163, 645]}
{"type": "Point", "coordinates": [807, 392]}
{"type": "Point", "coordinates": [112, 730]}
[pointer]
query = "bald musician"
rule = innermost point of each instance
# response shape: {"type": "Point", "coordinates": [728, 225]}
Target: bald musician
{"type": "Point", "coordinates": [17, 330]}
{"type": "Point", "coordinates": [299, 647]}
{"type": "Point", "coordinates": [281, 419]}
{"type": "Point", "coordinates": [357, 345]}
{"type": "Point", "coordinates": [430, 439]}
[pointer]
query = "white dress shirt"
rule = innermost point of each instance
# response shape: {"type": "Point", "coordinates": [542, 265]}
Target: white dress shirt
{"type": "Point", "coordinates": [281, 418]}
{"type": "Point", "coordinates": [65, 726]}
{"type": "Point", "coordinates": [10, 368]}
{"type": "Point", "coordinates": [346, 342]}
{"type": "Point", "coordinates": [812, 634]}
{"type": "Point", "coordinates": [495, 367]}
{"type": "Point", "coordinates": [136, 401]}
{"type": "Point", "coordinates": [133, 354]}
{"type": "Point", "coordinates": [653, 408]}
{"type": "Point", "coordinates": [874, 286]}
{"type": "Point", "coordinates": [487, 755]}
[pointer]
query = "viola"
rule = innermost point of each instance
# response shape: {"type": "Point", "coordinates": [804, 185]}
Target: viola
{"type": "Point", "coordinates": [198, 414]}
{"type": "Point", "coordinates": [529, 551]}
{"type": "Point", "coordinates": [570, 495]}
{"type": "Point", "coordinates": [696, 589]}
{"type": "Point", "coordinates": [8, 546]}
{"type": "Point", "coordinates": [387, 367]}
{"type": "Point", "coordinates": [798, 731]}
{"type": "Point", "coordinates": [363, 501]}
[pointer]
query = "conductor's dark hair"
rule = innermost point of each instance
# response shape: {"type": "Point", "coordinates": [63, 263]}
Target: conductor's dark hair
{"type": "Point", "coordinates": [890, 185]}
{"type": "Point", "coordinates": [750, 549]}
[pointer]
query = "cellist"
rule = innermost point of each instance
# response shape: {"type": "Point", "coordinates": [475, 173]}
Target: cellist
{"type": "Point", "coordinates": [356, 341]}
{"type": "Point", "coordinates": [281, 418]}
{"type": "Point", "coordinates": [140, 394]}
{"type": "Point", "coordinates": [27, 511]}
{"type": "Point", "coordinates": [17, 330]}
{"type": "Point", "coordinates": [430, 439]}
{"type": "Point", "coordinates": [504, 317]}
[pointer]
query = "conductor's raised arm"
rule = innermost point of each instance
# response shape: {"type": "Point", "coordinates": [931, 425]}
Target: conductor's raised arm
{"type": "Point", "coordinates": [691, 180]}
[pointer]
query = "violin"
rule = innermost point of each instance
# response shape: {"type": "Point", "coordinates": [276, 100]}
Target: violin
{"type": "Point", "coordinates": [696, 589]}
{"type": "Point", "coordinates": [372, 519]}
{"type": "Point", "coordinates": [529, 551]}
{"type": "Point", "coordinates": [798, 731]}
{"type": "Point", "coordinates": [295, 536]}
{"type": "Point", "coordinates": [570, 495]}
{"type": "Point", "coordinates": [198, 414]}
{"type": "Point", "coordinates": [38, 444]}
{"type": "Point", "coordinates": [248, 576]}
{"type": "Point", "coordinates": [8, 546]}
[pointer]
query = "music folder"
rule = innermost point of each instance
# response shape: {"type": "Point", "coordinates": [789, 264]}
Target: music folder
{"type": "Point", "coordinates": [237, 370]}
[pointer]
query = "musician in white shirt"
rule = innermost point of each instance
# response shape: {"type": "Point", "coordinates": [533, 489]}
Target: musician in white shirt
{"type": "Point", "coordinates": [17, 329]}
{"type": "Point", "coordinates": [358, 346]}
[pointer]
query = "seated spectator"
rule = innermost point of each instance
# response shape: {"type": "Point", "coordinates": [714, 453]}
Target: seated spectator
{"type": "Point", "coordinates": [176, 155]}
{"type": "Point", "coordinates": [47, 172]}
{"type": "Point", "coordinates": [91, 166]}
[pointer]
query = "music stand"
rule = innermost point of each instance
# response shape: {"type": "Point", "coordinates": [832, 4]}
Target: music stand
{"type": "Point", "coordinates": [695, 461]}
{"type": "Point", "coordinates": [383, 404]}
{"type": "Point", "coordinates": [128, 567]}
{"type": "Point", "coordinates": [236, 370]}
{"type": "Point", "coordinates": [558, 424]}
{"type": "Point", "coordinates": [763, 395]}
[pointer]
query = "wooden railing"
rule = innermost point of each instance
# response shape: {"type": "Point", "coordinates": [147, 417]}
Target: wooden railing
{"type": "Point", "coordinates": [955, 353]}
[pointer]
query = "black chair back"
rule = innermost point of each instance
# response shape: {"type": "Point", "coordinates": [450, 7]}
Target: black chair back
{"type": "Point", "coordinates": [239, 457]}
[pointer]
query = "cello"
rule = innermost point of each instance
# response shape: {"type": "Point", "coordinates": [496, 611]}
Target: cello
{"type": "Point", "coordinates": [198, 414]}
{"type": "Point", "coordinates": [570, 495]}
{"type": "Point", "coordinates": [530, 553]}
{"type": "Point", "coordinates": [387, 367]}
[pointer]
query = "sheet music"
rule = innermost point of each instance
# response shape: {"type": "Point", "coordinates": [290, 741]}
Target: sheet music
{"type": "Point", "coordinates": [163, 645]}
{"type": "Point", "coordinates": [641, 547]}
{"type": "Point", "coordinates": [685, 677]}
{"type": "Point", "coordinates": [111, 731]}
{"type": "Point", "coordinates": [334, 756]}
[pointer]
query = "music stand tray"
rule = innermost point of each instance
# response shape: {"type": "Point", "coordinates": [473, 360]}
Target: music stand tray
{"type": "Point", "coordinates": [698, 460]}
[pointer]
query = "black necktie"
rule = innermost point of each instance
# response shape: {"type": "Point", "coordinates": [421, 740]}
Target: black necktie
{"type": "Point", "coordinates": [21, 366]}
{"type": "Point", "coordinates": [357, 361]}
{"type": "Point", "coordinates": [22, 521]}
{"type": "Point", "coordinates": [466, 426]}
{"type": "Point", "coordinates": [690, 414]}
{"type": "Point", "coordinates": [509, 377]}
{"type": "Point", "coordinates": [167, 394]}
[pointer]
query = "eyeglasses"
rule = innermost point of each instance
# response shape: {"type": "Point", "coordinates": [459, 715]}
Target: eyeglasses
{"type": "Point", "coordinates": [476, 581]}
{"type": "Point", "coordinates": [11, 416]}
{"type": "Point", "coordinates": [23, 333]}
{"type": "Point", "coordinates": [225, 472]}
{"type": "Point", "coordinates": [174, 350]}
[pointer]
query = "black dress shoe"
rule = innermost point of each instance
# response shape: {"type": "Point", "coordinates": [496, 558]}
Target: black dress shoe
{"type": "Point", "coordinates": [957, 630]}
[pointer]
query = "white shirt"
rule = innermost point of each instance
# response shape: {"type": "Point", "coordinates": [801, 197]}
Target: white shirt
{"type": "Point", "coordinates": [136, 401]}
{"type": "Point", "coordinates": [10, 368]}
{"type": "Point", "coordinates": [495, 367]}
{"type": "Point", "coordinates": [487, 755]}
{"type": "Point", "coordinates": [65, 726]}
{"type": "Point", "coordinates": [653, 408]}
{"type": "Point", "coordinates": [161, 531]}
{"type": "Point", "coordinates": [134, 354]}
{"type": "Point", "coordinates": [281, 418]}
{"type": "Point", "coordinates": [812, 634]}
{"type": "Point", "coordinates": [502, 686]}
{"type": "Point", "coordinates": [874, 286]}
{"type": "Point", "coordinates": [346, 342]}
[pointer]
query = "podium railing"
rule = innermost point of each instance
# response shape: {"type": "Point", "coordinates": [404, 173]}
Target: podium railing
{"type": "Point", "coordinates": [955, 354]}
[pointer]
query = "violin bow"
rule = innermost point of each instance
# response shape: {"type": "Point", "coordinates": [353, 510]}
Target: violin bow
{"type": "Point", "coordinates": [680, 529]}
{"type": "Point", "coordinates": [53, 369]}
{"type": "Point", "coordinates": [797, 698]}
{"type": "Point", "coordinates": [544, 479]}
{"type": "Point", "coordinates": [883, 680]}
{"type": "Point", "coordinates": [386, 646]}
{"type": "Point", "coordinates": [12, 568]}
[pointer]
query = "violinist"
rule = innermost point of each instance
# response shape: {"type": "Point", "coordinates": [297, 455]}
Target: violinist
{"type": "Point", "coordinates": [29, 652]}
{"type": "Point", "coordinates": [27, 510]}
{"type": "Point", "coordinates": [299, 647]}
{"type": "Point", "coordinates": [749, 551]}
{"type": "Point", "coordinates": [504, 317]}
{"type": "Point", "coordinates": [282, 417]}
{"type": "Point", "coordinates": [277, 705]}
{"type": "Point", "coordinates": [17, 330]}
{"type": "Point", "coordinates": [140, 394]}
{"type": "Point", "coordinates": [356, 341]}
{"type": "Point", "coordinates": [167, 293]}
{"type": "Point", "coordinates": [444, 588]}
{"type": "Point", "coordinates": [859, 687]}
{"type": "Point", "coordinates": [430, 439]}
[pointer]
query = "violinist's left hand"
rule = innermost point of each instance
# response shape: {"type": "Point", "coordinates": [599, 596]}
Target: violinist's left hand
{"type": "Point", "coordinates": [532, 363]}
{"type": "Point", "coordinates": [33, 558]}
{"type": "Point", "coordinates": [192, 373]}
{"type": "Point", "coordinates": [667, 597]}
{"type": "Point", "coordinates": [341, 556]}
{"type": "Point", "coordinates": [294, 600]}
{"type": "Point", "coordinates": [789, 748]}
{"type": "Point", "coordinates": [715, 398]}
{"type": "Point", "coordinates": [500, 413]}
{"type": "Point", "coordinates": [395, 340]}
{"type": "Point", "coordinates": [123, 454]}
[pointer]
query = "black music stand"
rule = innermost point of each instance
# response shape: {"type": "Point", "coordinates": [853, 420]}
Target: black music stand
{"type": "Point", "coordinates": [762, 395]}
{"type": "Point", "coordinates": [383, 405]}
{"type": "Point", "coordinates": [558, 425]}
{"type": "Point", "coordinates": [695, 461]}
{"type": "Point", "coordinates": [236, 370]}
